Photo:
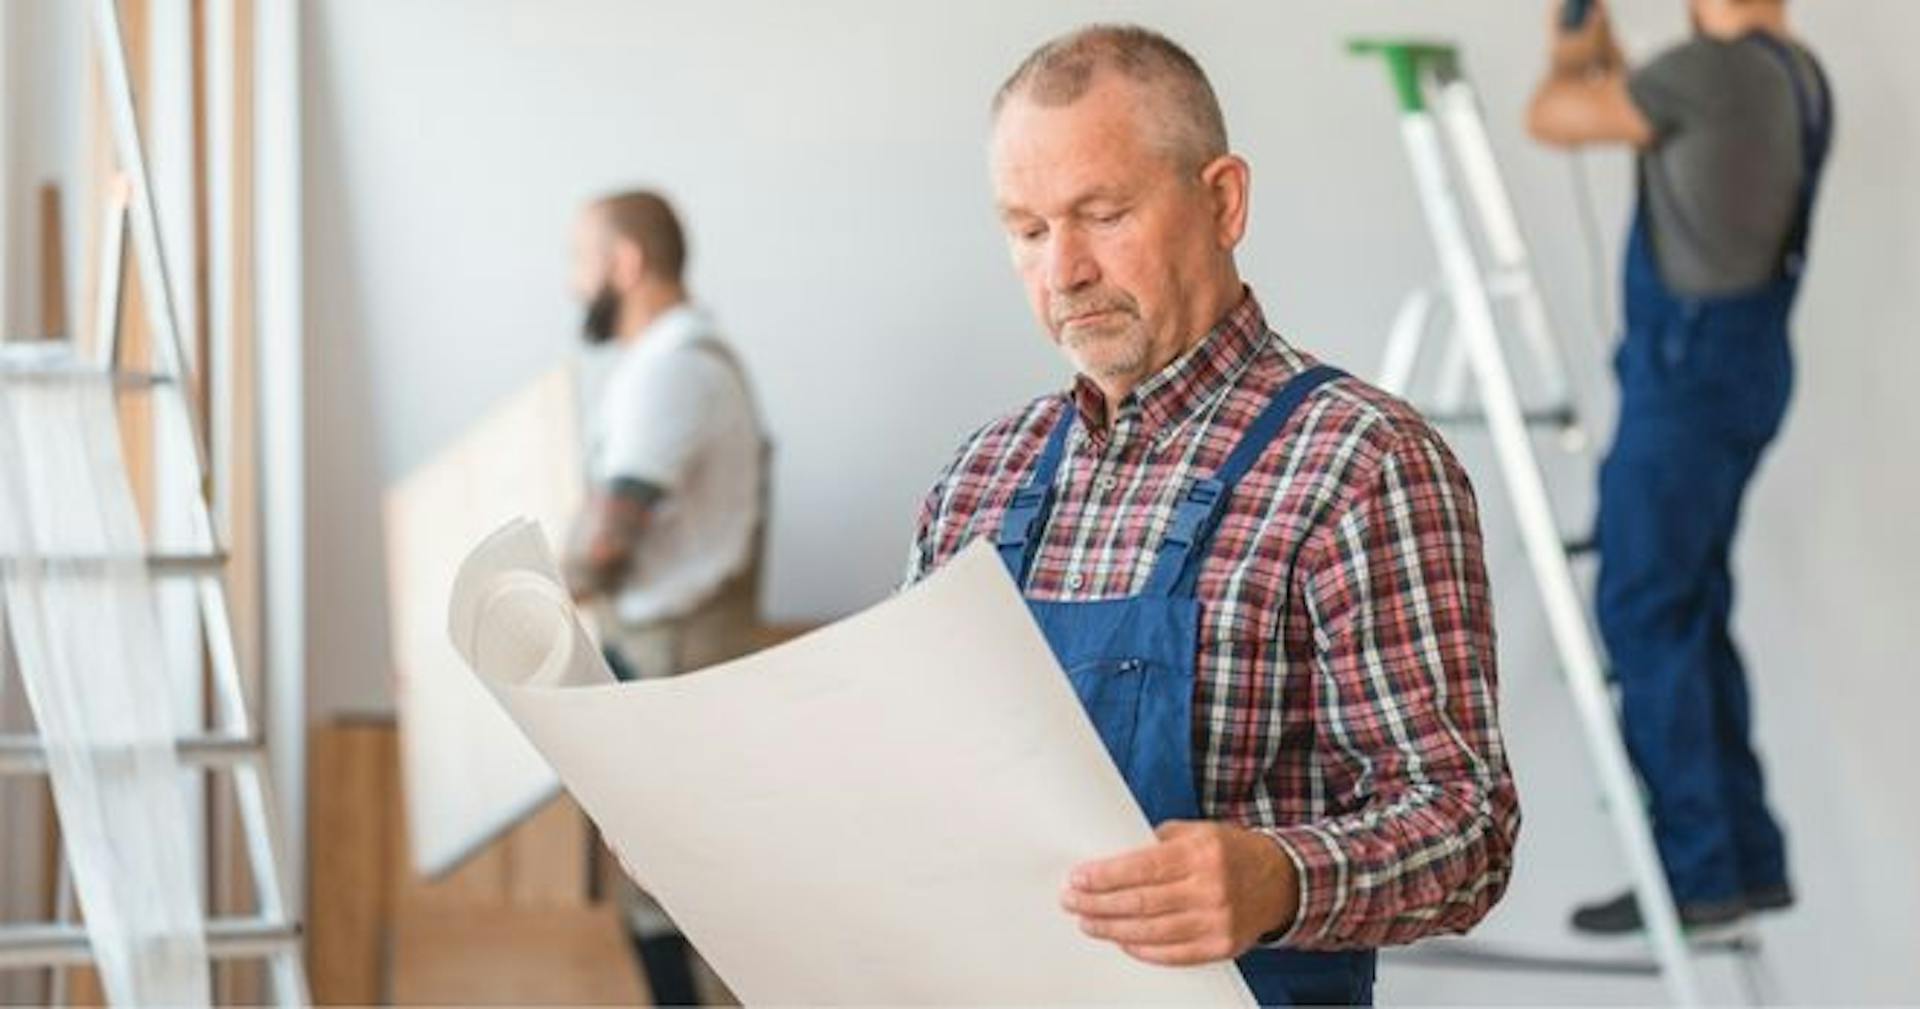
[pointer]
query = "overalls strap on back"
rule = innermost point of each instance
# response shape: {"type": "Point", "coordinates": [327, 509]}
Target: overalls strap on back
{"type": "Point", "coordinates": [1816, 137]}
{"type": "Point", "coordinates": [1177, 566]}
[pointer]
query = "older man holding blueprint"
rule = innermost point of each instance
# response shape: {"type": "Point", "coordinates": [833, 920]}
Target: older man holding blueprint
{"type": "Point", "coordinates": [1262, 576]}
{"type": "Point", "coordinates": [1240, 731]}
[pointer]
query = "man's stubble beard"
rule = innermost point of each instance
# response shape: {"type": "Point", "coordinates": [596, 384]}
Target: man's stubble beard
{"type": "Point", "coordinates": [1108, 356]}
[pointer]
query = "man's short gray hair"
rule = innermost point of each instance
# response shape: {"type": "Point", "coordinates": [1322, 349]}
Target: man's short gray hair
{"type": "Point", "coordinates": [1064, 69]}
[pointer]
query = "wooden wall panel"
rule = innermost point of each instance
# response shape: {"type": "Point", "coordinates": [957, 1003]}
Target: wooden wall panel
{"type": "Point", "coordinates": [519, 913]}
{"type": "Point", "coordinates": [548, 864]}
{"type": "Point", "coordinates": [351, 781]}
{"type": "Point", "coordinates": [515, 957]}
{"type": "Point", "coordinates": [231, 407]}
{"type": "Point", "coordinates": [53, 266]}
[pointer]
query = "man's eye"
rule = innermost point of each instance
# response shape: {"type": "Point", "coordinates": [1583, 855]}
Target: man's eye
{"type": "Point", "coordinates": [1109, 217]}
{"type": "Point", "coordinates": [1032, 232]}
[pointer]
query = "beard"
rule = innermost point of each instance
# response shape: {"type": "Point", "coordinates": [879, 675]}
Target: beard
{"type": "Point", "coordinates": [1110, 345]}
{"type": "Point", "coordinates": [602, 314]}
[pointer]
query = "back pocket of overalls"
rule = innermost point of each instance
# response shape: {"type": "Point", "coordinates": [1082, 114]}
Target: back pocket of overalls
{"type": "Point", "coordinates": [1111, 691]}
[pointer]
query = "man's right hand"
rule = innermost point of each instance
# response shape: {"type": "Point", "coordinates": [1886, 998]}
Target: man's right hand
{"type": "Point", "coordinates": [1587, 50]}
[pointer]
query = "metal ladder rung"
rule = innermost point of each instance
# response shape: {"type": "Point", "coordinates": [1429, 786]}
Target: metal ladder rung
{"type": "Point", "coordinates": [1509, 283]}
{"type": "Point", "coordinates": [1556, 418]}
{"type": "Point", "coordinates": [40, 945]}
{"type": "Point", "coordinates": [1520, 958]}
{"type": "Point", "coordinates": [23, 754]}
{"type": "Point", "coordinates": [166, 565]}
{"type": "Point", "coordinates": [120, 379]}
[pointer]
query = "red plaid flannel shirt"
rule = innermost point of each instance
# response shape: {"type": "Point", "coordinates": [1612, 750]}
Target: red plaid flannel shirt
{"type": "Point", "coordinates": [1344, 701]}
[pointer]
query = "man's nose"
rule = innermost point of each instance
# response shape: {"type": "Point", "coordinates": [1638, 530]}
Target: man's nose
{"type": "Point", "coordinates": [1070, 264]}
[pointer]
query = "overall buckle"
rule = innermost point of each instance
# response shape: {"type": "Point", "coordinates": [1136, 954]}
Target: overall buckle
{"type": "Point", "coordinates": [1195, 513]}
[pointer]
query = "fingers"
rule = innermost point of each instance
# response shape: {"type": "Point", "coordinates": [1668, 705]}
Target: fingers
{"type": "Point", "coordinates": [1136, 902]}
{"type": "Point", "coordinates": [1187, 954]}
{"type": "Point", "coordinates": [1200, 895]}
{"type": "Point", "coordinates": [1186, 849]}
{"type": "Point", "coordinates": [1159, 863]}
{"type": "Point", "coordinates": [1186, 928]}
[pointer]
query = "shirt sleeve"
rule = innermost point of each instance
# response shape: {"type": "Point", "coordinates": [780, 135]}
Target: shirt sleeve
{"type": "Point", "coordinates": [1680, 86]}
{"type": "Point", "coordinates": [1405, 717]}
{"type": "Point", "coordinates": [930, 530]}
{"type": "Point", "coordinates": [923, 555]}
{"type": "Point", "coordinates": [920, 553]}
{"type": "Point", "coordinates": [658, 419]}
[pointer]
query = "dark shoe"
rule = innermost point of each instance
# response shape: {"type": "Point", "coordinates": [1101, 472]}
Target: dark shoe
{"type": "Point", "coordinates": [1621, 915]}
{"type": "Point", "coordinates": [668, 963]}
{"type": "Point", "coordinates": [1770, 898]}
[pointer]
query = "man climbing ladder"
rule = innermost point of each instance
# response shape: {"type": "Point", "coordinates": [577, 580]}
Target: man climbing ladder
{"type": "Point", "coordinates": [1732, 130]}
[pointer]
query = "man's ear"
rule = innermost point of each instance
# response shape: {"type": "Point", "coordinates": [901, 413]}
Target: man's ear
{"type": "Point", "coordinates": [1228, 181]}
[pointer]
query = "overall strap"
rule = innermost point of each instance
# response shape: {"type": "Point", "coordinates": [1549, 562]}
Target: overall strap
{"type": "Point", "coordinates": [1190, 533]}
{"type": "Point", "coordinates": [1816, 136]}
{"type": "Point", "coordinates": [1026, 515]}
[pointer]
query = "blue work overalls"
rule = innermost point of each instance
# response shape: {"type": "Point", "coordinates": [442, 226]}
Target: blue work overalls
{"type": "Point", "coordinates": [1704, 383]}
{"type": "Point", "coordinates": [1131, 661]}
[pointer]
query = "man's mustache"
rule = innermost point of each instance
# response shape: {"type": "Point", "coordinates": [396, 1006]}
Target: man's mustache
{"type": "Point", "coordinates": [1064, 310]}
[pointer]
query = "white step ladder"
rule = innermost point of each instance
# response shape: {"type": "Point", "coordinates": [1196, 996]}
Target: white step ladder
{"type": "Point", "coordinates": [231, 745]}
{"type": "Point", "coordinates": [1446, 140]}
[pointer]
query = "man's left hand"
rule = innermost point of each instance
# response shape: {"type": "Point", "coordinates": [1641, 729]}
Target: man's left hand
{"type": "Point", "coordinates": [1205, 892]}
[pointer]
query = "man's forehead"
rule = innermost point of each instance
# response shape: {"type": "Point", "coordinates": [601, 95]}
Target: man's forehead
{"type": "Point", "coordinates": [592, 226]}
{"type": "Point", "coordinates": [1081, 150]}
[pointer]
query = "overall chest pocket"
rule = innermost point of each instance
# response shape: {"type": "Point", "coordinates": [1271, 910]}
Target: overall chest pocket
{"type": "Point", "coordinates": [1112, 691]}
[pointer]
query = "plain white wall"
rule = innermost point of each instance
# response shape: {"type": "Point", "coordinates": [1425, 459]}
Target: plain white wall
{"type": "Point", "coordinates": [41, 99]}
{"type": "Point", "coordinates": [828, 160]}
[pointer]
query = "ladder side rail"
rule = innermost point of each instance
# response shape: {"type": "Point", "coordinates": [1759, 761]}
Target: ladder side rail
{"type": "Point", "coordinates": [1405, 341]}
{"type": "Point", "coordinates": [156, 287]}
{"type": "Point", "coordinates": [1455, 367]}
{"type": "Point", "coordinates": [1473, 149]}
{"type": "Point", "coordinates": [106, 306]}
{"type": "Point", "coordinates": [258, 822]}
{"type": "Point", "coordinates": [1553, 573]}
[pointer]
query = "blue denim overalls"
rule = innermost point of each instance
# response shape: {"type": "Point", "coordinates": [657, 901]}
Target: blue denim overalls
{"type": "Point", "coordinates": [1131, 662]}
{"type": "Point", "coordinates": [1703, 386]}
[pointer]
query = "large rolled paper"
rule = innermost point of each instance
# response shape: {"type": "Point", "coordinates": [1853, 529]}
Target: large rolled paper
{"type": "Point", "coordinates": [883, 811]}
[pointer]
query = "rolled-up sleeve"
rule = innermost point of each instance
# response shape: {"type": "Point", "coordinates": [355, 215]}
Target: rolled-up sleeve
{"type": "Point", "coordinates": [1405, 714]}
{"type": "Point", "coordinates": [659, 419]}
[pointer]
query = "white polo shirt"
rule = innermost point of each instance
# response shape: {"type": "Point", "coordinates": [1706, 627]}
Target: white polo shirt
{"type": "Point", "coordinates": [676, 412]}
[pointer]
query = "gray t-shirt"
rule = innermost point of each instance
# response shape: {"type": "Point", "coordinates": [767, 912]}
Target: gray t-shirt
{"type": "Point", "coordinates": [1721, 181]}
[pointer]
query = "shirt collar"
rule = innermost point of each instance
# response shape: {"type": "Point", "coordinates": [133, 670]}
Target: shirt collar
{"type": "Point", "coordinates": [675, 327]}
{"type": "Point", "coordinates": [1171, 395]}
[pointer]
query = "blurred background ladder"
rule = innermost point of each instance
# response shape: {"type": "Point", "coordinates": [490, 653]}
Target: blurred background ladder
{"type": "Point", "coordinates": [231, 741]}
{"type": "Point", "coordinates": [1455, 172]}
